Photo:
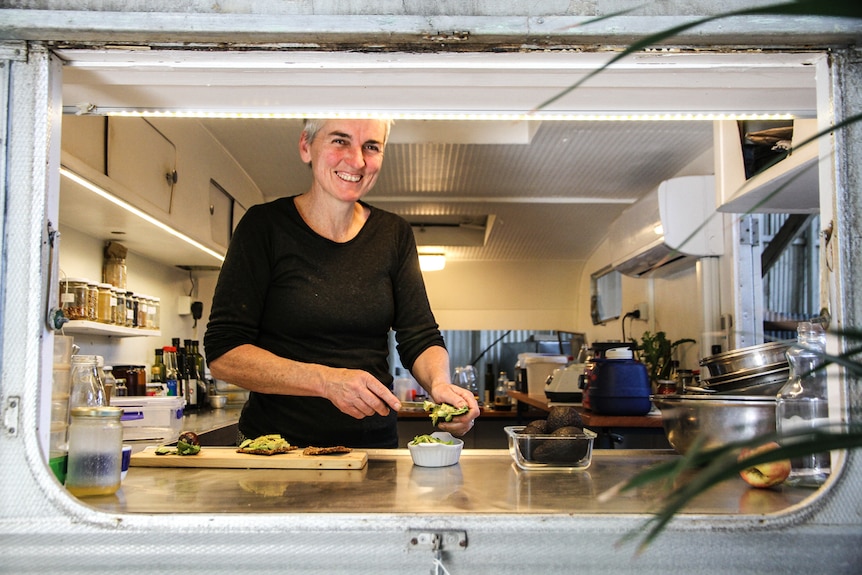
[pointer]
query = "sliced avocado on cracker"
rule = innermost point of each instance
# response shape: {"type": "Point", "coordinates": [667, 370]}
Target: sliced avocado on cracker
{"type": "Point", "coordinates": [443, 411]}
{"type": "Point", "coordinates": [266, 445]}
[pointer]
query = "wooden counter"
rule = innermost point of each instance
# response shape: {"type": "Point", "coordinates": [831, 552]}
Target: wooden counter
{"type": "Point", "coordinates": [626, 431]}
{"type": "Point", "coordinates": [592, 419]}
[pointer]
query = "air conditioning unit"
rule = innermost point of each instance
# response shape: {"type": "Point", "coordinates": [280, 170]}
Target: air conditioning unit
{"type": "Point", "coordinates": [668, 229]}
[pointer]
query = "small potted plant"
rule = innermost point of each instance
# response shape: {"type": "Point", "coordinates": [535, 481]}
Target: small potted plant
{"type": "Point", "coordinates": [656, 352]}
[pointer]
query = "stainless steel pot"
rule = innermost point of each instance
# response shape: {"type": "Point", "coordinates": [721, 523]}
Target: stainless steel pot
{"type": "Point", "coordinates": [721, 419]}
{"type": "Point", "coordinates": [761, 382]}
{"type": "Point", "coordinates": [745, 360]}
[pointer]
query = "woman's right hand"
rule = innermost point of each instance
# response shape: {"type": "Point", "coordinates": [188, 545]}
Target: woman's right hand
{"type": "Point", "coordinates": [357, 393]}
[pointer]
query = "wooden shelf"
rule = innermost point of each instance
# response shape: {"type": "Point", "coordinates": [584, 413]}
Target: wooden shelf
{"type": "Point", "coordinates": [84, 327]}
{"type": "Point", "coordinates": [592, 419]}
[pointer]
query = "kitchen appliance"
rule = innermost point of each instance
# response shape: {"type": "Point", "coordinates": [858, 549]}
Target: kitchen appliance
{"type": "Point", "coordinates": [619, 385]}
{"type": "Point", "coordinates": [565, 384]}
{"type": "Point", "coordinates": [535, 369]}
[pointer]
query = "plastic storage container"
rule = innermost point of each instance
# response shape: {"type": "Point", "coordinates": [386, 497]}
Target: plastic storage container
{"type": "Point", "coordinates": [619, 385]}
{"type": "Point", "coordinates": [147, 417]}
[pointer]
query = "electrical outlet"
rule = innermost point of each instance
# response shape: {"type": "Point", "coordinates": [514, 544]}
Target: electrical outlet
{"type": "Point", "coordinates": [642, 310]}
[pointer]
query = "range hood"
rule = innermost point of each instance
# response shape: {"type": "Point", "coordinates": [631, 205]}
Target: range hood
{"type": "Point", "coordinates": [668, 229]}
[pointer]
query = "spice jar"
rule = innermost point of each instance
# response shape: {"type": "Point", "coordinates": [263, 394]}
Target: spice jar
{"type": "Point", "coordinates": [156, 313]}
{"type": "Point", "coordinates": [141, 320]}
{"type": "Point", "coordinates": [73, 298]}
{"type": "Point", "coordinates": [92, 301]}
{"type": "Point", "coordinates": [103, 311]}
{"type": "Point", "coordinates": [95, 451]}
{"type": "Point", "coordinates": [120, 309]}
{"type": "Point", "coordinates": [131, 301]}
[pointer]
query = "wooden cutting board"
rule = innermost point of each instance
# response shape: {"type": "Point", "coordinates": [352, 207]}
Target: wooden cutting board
{"type": "Point", "coordinates": [228, 458]}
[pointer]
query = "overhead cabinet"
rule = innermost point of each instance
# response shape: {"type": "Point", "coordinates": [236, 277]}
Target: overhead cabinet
{"type": "Point", "coordinates": [143, 160]}
{"type": "Point", "coordinates": [145, 184]}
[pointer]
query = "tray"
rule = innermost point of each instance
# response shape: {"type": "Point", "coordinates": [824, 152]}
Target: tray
{"type": "Point", "coordinates": [228, 458]}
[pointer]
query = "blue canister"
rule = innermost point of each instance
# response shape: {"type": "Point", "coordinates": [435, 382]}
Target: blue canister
{"type": "Point", "coordinates": [619, 385]}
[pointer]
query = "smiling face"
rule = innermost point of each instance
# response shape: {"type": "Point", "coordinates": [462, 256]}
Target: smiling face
{"type": "Point", "coordinates": [345, 157]}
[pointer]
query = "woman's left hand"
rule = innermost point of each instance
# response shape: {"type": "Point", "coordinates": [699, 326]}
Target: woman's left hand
{"type": "Point", "coordinates": [456, 397]}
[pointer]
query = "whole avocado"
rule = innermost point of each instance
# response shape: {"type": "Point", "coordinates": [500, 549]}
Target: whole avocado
{"type": "Point", "coordinates": [536, 427]}
{"type": "Point", "coordinates": [553, 451]}
{"type": "Point", "coordinates": [563, 416]}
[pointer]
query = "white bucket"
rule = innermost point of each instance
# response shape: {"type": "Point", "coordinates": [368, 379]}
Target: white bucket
{"type": "Point", "coordinates": [539, 368]}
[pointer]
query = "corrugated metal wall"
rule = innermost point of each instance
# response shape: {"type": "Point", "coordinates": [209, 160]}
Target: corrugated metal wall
{"type": "Point", "coordinates": [791, 288]}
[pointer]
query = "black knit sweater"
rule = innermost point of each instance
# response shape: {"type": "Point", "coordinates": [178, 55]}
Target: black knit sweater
{"type": "Point", "coordinates": [298, 295]}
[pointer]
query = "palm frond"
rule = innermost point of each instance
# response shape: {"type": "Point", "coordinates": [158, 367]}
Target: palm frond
{"type": "Point", "coordinates": [722, 463]}
{"type": "Point", "coordinates": [830, 8]}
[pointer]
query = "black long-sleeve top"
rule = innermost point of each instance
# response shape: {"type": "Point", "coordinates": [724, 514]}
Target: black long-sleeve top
{"type": "Point", "coordinates": [288, 290]}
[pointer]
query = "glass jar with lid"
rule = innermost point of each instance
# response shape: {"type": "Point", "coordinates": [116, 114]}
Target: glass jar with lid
{"type": "Point", "coordinates": [141, 311]}
{"type": "Point", "coordinates": [92, 301]}
{"type": "Point", "coordinates": [129, 320]}
{"type": "Point", "coordinates": [86, 386]}
{"type": "Point", "coordinates": [95, 451]}
{"type": "Point", "coordinates": [114, 272]}
{"type": "Point", "coordinates": [73, 298]}
{"type": "Point", "coordinates": [156, 311]}
{"type": "Point", "coordinates": [104, 313]}
{"type": "Point", "coordinates": [120, 310]}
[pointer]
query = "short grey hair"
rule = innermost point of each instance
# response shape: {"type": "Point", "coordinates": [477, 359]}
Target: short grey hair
{"type": "Point", "coordinates": [311, 126]}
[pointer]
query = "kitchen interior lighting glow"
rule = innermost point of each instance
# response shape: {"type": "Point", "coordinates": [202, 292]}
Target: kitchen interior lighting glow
{"type": "Point", "coordinates": [432, 262]}
{"type": "Point", "coordinates": [135, 211]}
{"type": "Point", "coordinates": [421, 115]}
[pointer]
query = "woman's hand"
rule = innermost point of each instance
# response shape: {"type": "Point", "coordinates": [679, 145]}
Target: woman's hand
{"type": "Point", "coordinates": [456, 397]}
{"type": "Point", "coordinates": [357, 393]}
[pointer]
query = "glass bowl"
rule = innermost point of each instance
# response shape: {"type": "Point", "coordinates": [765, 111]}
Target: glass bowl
{"type": "Point", "coordinates": [549, 452]}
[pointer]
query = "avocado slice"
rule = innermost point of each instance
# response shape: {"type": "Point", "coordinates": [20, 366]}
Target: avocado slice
{"type": "Point", "coordinates": [442, 411]}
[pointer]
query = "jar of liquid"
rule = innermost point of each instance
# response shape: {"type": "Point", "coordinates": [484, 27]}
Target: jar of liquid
{"type": "Point", "coordinates": [95, 451]}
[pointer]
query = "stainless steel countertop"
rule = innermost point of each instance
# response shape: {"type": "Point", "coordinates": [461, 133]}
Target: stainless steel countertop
{"type": "Point", "coordinates": [484, 481]}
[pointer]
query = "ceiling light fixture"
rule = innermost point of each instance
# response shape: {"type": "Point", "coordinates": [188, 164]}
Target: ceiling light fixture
{"type": "Point", "coordinates": [536, 115]}
{"type": "Point", "coordinates": [432, 262]}
{"type": "Point", "coordinates": [135, 211]}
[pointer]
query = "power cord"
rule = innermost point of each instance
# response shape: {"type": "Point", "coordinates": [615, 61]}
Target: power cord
{"type": "Point", "coordinates": [633, 315]}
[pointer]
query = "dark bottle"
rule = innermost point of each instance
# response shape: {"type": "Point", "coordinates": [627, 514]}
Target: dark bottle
{"type": "Point", "coordinates": [198, 360]}
{"type": "Point", "coordinates": [182, 383]}
{"type": "Point", "coordinates": [489, 383]}
{"type": "Point", "coordinates": [190, 376]}
{"type": "Point", "coordinates": [157, 372]}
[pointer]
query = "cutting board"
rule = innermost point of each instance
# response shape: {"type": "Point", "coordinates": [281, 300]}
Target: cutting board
{"type": "Point", "coordinates": [228, 458]}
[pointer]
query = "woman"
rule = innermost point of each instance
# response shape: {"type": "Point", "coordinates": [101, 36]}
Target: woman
{"type": "Point", "coordinates": [308, 292]}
